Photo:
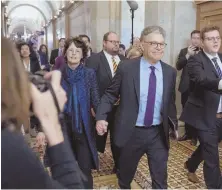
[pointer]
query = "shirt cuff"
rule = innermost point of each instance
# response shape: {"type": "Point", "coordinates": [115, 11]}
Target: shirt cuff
{"type": "Point", "coordinates": [220, 85]}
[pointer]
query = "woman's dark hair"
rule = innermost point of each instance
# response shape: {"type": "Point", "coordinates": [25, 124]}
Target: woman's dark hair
{"type": "Point", "coordinates": [19, 46]}
{"type": "Point", "coordinates": [84, 36]}
{"type": "Point", "coordinates": [43, 45]}
{"type": "Point", "coordinates": [78, 43]}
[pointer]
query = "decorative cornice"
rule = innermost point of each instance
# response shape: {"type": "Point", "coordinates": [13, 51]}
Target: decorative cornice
{"type": "Point", "coordinates": [201, 2]}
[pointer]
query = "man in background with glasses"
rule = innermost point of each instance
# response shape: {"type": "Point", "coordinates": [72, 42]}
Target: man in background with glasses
{"type": "Point", "coordinates": [146, 87]}
{"type": "Point", "coordinates": [105, 64]}
{"type": "Point", "coordinates": [184, 55]}
{"type": "Point", "coordinates": [203, 109]}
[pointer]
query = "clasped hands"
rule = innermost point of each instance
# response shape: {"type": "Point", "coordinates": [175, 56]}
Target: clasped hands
{"type": "Point", "coordinates": [101, 127]}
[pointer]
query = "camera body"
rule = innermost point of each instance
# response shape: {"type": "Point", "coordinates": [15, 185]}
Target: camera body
{"type": "Point", "coordinates": [196, 49]}
{"type": "Point", "coordinates": [38, 80]}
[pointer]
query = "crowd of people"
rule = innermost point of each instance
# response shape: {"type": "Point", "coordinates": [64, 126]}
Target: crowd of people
{"type": "Point", "coordinates": [128, 93]}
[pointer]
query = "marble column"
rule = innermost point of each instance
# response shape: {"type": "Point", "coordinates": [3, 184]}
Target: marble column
{"type": "Point", "coordinates": [54, 33]}
{"type": "Point", "coordinates": [3, 20]}
{"type": "Point", "coordinates": [104, 16]}
{"type": "Point", "coordinates": [67, 25]}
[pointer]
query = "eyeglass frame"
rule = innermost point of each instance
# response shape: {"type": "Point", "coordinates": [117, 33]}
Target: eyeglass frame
{"type": "Point", "coordinates": [113, 42]}
{"type": "Point", "coordinates": [213, 39]}
{"type": "Point", "coordinates": [157, 44]}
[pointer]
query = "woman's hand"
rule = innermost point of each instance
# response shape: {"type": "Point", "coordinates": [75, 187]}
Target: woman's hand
{"type": "Point", "coordinates": [45, 109]}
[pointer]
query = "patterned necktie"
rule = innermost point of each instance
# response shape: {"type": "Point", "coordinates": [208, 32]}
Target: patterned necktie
{"type": "Point", "coordinates": [219, 72]}
{"type": "Point", "coordinates": [114, 65]}
{"type": "Point", "coordinates": [148, 121]}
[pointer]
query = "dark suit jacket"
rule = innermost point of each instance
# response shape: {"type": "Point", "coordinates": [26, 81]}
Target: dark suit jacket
{"type": "Point", "coordinates": [99, 62]}
{"type": "Point", "coordinates": [34, 65]}
{"type": "Point", "coordinates": [202, 104]}
{"type": "Point", "coordinates": [54, 54]}
{"type": "Point", "coordinates": [181, 65]}
{"type": "Point", "coordinates": [126, 83]}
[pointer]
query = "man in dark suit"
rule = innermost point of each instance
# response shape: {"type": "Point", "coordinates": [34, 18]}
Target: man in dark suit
{"type": "Point", "coordinates": [57, 52]}
{"type": "Point", "coordinates": [105, 63]}
{"type": "Point", "coordinates": [146, 87]}
{"type": "Point", "coordinates": [203, 109]}
{"type": "Point", "coordinates": [184, 55]}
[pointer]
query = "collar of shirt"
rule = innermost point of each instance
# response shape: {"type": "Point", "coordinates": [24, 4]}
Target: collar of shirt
{"type": "Point", "coordinates": [27, 67]}
{"type": "Point", "coordinates": [110, 56]}
{"type": "Point", "coordinates": [211, 56]}
{"type": "Point", "coordinates": [146, 64]}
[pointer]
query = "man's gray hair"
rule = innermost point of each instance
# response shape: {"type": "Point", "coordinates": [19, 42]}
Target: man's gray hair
{"type": "Point", "coordinates": [152, 29]}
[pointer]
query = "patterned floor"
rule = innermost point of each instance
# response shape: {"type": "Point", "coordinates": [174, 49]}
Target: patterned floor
{"type": "Point", "coordinates": [177, 175]}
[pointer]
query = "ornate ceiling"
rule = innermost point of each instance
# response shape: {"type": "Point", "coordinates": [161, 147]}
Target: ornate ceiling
{"type": "Point", "coordinates": [33, 14]}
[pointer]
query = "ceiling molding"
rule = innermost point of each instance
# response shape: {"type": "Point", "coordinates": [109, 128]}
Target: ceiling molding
{"type": "Point", "coordinates": [201, 2]}
{"type": "Point", "coordinates": [20, 5]}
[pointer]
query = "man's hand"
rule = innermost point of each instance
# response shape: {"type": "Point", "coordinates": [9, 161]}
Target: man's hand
{"type": "Point", "coordinates": [93, 113]}
{"type": "Point", "coordinates": [101, 127]}
{"type": "Point", "coordinates": [190, 51]}
{"type": "Point", "coordinates": [40, 139]}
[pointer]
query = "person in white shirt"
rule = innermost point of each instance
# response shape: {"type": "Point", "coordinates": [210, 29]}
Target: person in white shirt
{"type": "Point", "coordinates": [30, 65]}
{"type": "Point", "coordinates": [203, 109]}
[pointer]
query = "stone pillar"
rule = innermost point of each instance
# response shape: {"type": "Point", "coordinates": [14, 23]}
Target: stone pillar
{"type": "Point", "coordinates": [115, 16]}
{"type": "Point", "coordinates": [104, 17]}
{"type": "Point", "coordinates": [54, 33]}
{"type": "Point", "coordinates": [67, 25]}
{"type": "Point", "coordinates": [3, 20]}
{"type": "Point", "coordinates": [178, 19]}
{"type": "Point", "coordinates": [46, 35]}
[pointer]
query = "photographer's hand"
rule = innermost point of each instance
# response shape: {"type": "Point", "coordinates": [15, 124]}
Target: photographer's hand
{"type": "Point", "coordinates": [45, 109]}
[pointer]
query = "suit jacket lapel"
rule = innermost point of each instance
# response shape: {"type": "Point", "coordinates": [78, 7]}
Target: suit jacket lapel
{"type": "Point", "coordinates": [136, 78]}
{"type": "Point", "coordinates": [209, 64]}
{"type": "Point", "coordinates": [106, 64]}
{"type": "Point", "coordinates": [220, 56]}
{"type": "Point", "coordinates": [165, 83]}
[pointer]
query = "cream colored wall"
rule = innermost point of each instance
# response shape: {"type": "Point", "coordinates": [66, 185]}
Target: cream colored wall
{"type": "Point", "coordinates": [77, 21]}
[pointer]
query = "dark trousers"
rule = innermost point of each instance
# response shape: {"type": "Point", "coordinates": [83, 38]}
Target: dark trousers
{"type": "Point", "coordinates": [149, 141]}
{"type": "Point", "coordinates": [82, 153]}
{"type": "Point", "coordinates": [101, 140]}
{"type": "Point", "coordinates": [208, 151]}
{"type": "Point", "coordinates": [190, 131]}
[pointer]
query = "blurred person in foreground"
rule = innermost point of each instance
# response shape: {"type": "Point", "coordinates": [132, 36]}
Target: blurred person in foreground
{"type": "Point", "coordinates": [21, 169]}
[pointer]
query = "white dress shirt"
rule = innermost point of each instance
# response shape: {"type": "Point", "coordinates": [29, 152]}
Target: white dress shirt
{"type": "Point", "coordinates": [110, 61]}
{"type": "Point", "coordinates": [27, 67]}
{"type": "Point", "coordinates": [220, 83]}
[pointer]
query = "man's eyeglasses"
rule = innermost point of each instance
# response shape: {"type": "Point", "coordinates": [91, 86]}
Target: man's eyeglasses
{"type": "Point", "coordinates": [156, 44]}
{"type": "Point", "coordinates": [211, 39]}
{"type": "Point", "coordinates": [113, 42]}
